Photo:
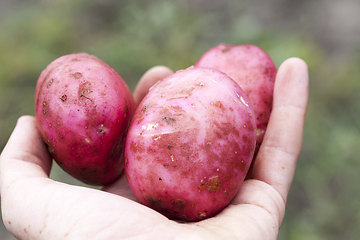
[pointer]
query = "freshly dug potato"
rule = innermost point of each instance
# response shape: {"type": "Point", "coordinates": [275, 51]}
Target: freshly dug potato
{"type": "Point", "coordinates": [253, 69]}
{"type": "Point", "coordinates": [83, 110]}
{"type": "Point", "coordinates": [190, 144]}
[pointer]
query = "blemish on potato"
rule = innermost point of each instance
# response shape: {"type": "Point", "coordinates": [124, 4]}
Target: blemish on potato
{"type": "Point", "coordinates": [179, 203]}
{"type": "Point", "coordinates": [224, 48]}
{"type": "Point", "coordinates": [50, 82]}
{"type": "Point", "coordinates": [202, 214]}
{"type": "Point", "coordinates": [63, 98]}
{"type": "Point", "coordinates": [44, 110]}
{"type": "Point", "coordinates": [102, 129]}
{"type": "Point", "coordinates": [151, 126]}
{"type": "Point", "coordinates": [171, 211]}
{"type": "Point", "coordinates": [51, 150]}
{"type": "Point", "coordinates": [213, 184]}
{"type": "Point", "coordinates": [259, 131]}
{"type": "Point", "coordinates": [77, 75]}
{"type": "Point", "coordinates": [84, 91]}
{"type": "Point", "coordinates": [168, 119]}
{"type": "Point", "coordinates": [154, 203]}
{"type": "Point", "coordinates": [126, 110]}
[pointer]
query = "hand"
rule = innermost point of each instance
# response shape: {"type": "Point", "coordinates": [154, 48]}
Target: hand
{"type": "Point", "coordinates": [36, 207]}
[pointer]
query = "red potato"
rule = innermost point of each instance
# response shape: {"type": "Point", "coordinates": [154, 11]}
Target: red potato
{"type": "Point", "coordinates": [83, 109]}
{"type": "Point", "coordinates": [253, 69]}
{"type": "Point", "coordinates": [190, 144]}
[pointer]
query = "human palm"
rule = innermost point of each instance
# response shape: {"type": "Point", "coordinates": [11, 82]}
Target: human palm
{"type": "Point", "coordinates": [36, 207]}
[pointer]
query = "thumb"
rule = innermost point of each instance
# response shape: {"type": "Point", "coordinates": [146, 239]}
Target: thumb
{"type": "Point", "coordinates": [25, 153]}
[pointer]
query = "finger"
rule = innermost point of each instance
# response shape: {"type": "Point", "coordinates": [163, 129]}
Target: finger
{"type": "Point", "coordinates": [278, 154]}
{"type": "Point", "coordinates": [24, 157]}
{"type": "Point", "coordinates": [25, 145]}
{"type": "Point", "coordinates": [152, 76]}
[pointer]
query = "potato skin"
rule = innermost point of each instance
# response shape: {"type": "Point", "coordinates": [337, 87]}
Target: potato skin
{"type": "Point", "coordinates": [190, 144]}
{"type": "Point", "coordinates": [83, 110]}
{"type": "Point", "coordinates": [253, 69]}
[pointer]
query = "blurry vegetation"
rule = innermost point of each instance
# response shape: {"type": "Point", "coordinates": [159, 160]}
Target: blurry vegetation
{"type": "Point", "coordinates": [133, 36]}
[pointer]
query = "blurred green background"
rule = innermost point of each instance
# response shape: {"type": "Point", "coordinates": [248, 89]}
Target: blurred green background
{"type": "Point", "coordinates": [134, 35]}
